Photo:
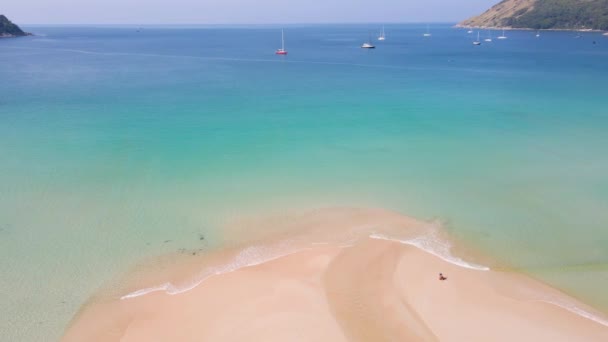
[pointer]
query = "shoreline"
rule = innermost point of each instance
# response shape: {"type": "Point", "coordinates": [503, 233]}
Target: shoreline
{"type": "Point", "coordinates": [525, 29]}
{"type": "Point", "coordinates": [16, 36]}
{"type": "Point", "coordinates": [337, 274]}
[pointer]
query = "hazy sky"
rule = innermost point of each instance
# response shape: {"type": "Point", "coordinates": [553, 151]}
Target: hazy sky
{"type": "Point", "coordinates": [238, 11]}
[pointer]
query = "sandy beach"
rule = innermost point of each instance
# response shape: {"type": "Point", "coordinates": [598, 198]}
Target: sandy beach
{"type": "Point", "coordinates": [363, 287]}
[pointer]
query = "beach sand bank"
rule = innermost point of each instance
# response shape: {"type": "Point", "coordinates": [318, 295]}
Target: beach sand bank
{"type": "Point", "coordinates": [336, 275]}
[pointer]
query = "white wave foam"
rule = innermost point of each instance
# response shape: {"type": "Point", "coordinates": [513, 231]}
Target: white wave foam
{"type": "Point", "coordinates": [433, 245]}
{"type": "Point", "coordinates": [441, 249]}
{"type": "Point", "coordinates": [256, 255]}
{"type": "Point", "coordinates": [575, 310]}
{"type": "Point", "coordinates": [250, 256]}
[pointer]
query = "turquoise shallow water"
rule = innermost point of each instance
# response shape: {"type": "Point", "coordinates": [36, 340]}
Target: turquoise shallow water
{"type": "Point", "coordinates": [114, 141]}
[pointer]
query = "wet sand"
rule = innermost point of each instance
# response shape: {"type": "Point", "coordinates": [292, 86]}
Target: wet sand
{"type": "Point", "coordinates": [355, 289]}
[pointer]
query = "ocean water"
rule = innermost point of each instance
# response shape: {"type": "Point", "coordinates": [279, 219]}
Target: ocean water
{"type": "Point", "coordinates": [119, 144]}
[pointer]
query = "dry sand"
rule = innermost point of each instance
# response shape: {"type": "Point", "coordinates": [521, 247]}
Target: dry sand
{"type": "Point", "coordinates": [367, 290]}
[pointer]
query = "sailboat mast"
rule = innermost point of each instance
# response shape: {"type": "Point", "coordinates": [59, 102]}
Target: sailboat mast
{"type": "Point", "coordinates": [282, 50]}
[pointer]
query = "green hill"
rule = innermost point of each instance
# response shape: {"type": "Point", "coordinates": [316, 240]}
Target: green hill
{"type": "Point", "coordinates": [8, 29]}
{"type": "Point", "coordinates": [544, 14]}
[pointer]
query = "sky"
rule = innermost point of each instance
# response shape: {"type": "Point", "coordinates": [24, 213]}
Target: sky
{"type": "Point", "coordinates": [239, 11]}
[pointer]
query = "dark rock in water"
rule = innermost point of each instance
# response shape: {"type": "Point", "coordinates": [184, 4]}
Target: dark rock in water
{"type": "Point", "coordinates": [9, 30]}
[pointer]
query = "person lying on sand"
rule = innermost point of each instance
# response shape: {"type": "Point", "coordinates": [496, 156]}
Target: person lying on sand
{"type": "Point", "coordinates": [441, 277]}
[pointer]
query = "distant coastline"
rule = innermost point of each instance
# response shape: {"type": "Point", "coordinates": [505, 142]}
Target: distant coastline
{"type": "Point", "coordinates": [525, 28]}
{"type": "Point", "coordinates": [559, 15]}
{"type": "Point", "coordinates": [10, 30]}
{"type": "Point", "coordinates": [6, 35]}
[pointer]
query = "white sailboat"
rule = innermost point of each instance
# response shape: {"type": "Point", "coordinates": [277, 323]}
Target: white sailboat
{"type": "Point", "coordinates": [282, 50]}
{"type": "Point", "coordinates": [537, 33]}
{"type": "Point", "coordinates": [477, 42]}
{"type": "Point", "coordinates": [382, 35]}
{"type": "Point", "coordinates": [503, 35]}
{"type": "Point", "coordinates": [489, 39]}
{"type": "Point", "coordinates": [428, 31]}
{"type": "Point", "coordinates": [368, 44]}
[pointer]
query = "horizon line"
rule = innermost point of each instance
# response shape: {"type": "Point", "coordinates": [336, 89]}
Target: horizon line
{"type": "Point", "coordinates": [244, 24]}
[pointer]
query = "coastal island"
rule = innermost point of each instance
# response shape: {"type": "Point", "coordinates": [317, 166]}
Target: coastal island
{"type": "Point", "coordinates": [544, 15]}
{"type": "Point", "coordinates": [8, 29]}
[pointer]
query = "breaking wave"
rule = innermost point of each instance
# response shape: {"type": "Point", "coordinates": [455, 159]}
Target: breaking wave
{"type": "Point", "coordinates": [435, 246]}
{"type": "Point", "coordinates": [250, 256]}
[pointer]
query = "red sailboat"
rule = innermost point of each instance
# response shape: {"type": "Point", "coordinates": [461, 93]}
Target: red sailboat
{"type": "Point", "coordinates": [282, 50]}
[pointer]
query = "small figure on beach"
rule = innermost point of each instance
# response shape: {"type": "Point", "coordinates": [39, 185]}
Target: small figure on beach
{"type": "Point", "coordinates": [442, 277]}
